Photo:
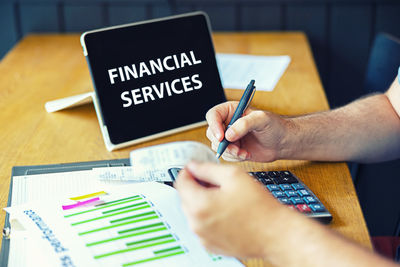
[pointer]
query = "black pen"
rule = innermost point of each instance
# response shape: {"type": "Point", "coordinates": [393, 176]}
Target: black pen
{"type": "Point", "coordinates": [243, 104]}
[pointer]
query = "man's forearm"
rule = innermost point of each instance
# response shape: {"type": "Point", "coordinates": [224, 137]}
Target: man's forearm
{"type": "Point", "coordinates": [366, 130]}
{"type": "Point", "coordinates": [303, 242]}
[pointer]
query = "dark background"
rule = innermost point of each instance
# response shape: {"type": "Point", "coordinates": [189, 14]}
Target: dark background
{"type": "Point", "coordinates": [340, 31]}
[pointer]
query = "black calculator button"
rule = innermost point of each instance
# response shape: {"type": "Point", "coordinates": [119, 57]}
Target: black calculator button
{"type": "Point", "coordinates": [260, 180]}
{"type": "Point", "coordinates": [274, 174]}
{"type": "Point", "coordinates": [262, 174]}
{"type": "Point", "coordinates": [285, 180]}
{"type": "Point", "coordinates": [286, 173]}
{"type": "Point", "coordinates": [267, 180]}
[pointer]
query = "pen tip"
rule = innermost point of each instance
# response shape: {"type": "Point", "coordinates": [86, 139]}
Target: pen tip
{"type": "Point", "coordinates": [218, 155]}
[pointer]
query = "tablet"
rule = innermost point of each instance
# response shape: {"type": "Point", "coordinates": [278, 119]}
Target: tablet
{"type": "Point", "coordinates": [152, 78]}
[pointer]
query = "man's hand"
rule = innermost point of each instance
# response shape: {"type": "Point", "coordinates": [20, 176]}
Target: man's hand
{"type": "Point", "coordinates": [228, 216]}
{"type": "Point", "coordinates": [366, 130]}
{"type": "Point", "coordinates": [256, 136]}
{"type": "Point", "coordinates": [234, 215]}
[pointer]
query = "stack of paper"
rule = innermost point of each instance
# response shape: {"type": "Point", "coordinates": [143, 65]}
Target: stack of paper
{"type": "Point", "coordinates": [81, 219]}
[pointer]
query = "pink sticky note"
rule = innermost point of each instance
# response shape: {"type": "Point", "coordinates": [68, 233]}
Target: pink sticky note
{"type": "Point", "coordinates": [80, 203]}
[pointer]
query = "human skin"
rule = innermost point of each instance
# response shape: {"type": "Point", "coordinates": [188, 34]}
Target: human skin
{"type": "Point", "coordinates": [242, 227]}
{"type": "Point", "coordinates": [367, 130]}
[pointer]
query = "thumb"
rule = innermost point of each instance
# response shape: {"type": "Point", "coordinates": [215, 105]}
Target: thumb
{"type": "Point", "coordinates": [187, 186]}
{"type": "Point", "coordinates": [187, 182]}
{"type": "Point", "coordinates": [256, 120]}
{"type": "Point", "coordinates": [211, 173]}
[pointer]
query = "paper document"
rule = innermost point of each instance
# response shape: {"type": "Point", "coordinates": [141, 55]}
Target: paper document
{"type": "Point", "coordinates": [133, 225]}
{"type": "Point", "coordinates": [78, 190]}
{"type": "Point", "coordinates": [152, 163]}
{"type": "Point", "coordinates": [45, 188]}
{"type": "Point", "coordinates": [118, 174]}
{"type": "Point", "coordinates": [237, 70]}
{"type": "Point", "coordinates": [130, 175]}
{"type": "Point", "coordinates": [50, 186]}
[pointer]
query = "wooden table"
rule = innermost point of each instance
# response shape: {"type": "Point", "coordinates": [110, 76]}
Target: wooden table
{"type": "Point", "coordinates": [46, 67]}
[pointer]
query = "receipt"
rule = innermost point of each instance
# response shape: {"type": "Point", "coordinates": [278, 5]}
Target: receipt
{"type": "Point", "coordinates": [151, 164]}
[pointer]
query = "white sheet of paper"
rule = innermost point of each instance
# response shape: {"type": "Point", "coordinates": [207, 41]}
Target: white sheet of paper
{"type": "Point", "coordinates": [91, 236]}
{"type": "Point", "coordinates": [45, 187]}
{"type": "Point", "coordinates": [17, 255]}
{"type": "Point", "coordinates": [237, 70]}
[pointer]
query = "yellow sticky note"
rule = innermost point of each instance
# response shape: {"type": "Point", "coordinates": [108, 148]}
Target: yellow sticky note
{"type": "Point", "coordinates": [88, 195]}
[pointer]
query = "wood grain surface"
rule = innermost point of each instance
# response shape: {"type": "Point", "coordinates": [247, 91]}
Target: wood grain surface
{"type": "Point", "coordinates": [47, 67]}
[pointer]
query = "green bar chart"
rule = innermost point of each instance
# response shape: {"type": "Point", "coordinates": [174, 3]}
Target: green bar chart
{"type": "Point", "coordinates": [126, 231]}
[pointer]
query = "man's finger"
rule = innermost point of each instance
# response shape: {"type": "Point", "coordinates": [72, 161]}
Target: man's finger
{"type": "Point", "coordinates": [218, 116]}
{"type": "Point", "coordinates": [214, 146]}
{"type": "Point", "coordinates": [229, 157]}
{"type": "Point", "coordinates": [215, 119]}
{"type": "Point", "coordinates": [210, 135]}
{"type": "Point", "coordinates": [211, 173]}
{"type": "Point", "coordinates": [187, 186]}
{"type": "Point", "coordinates": [235, 153]}
{"type": "Point", "coordinates": [256, 120]}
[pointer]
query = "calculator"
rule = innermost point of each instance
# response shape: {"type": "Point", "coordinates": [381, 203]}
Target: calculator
{"type": "Point", "coordinates": [289, 190]}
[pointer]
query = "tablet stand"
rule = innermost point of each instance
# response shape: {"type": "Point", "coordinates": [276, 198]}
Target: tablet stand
{"type": "Point", "coordinates": [69, 102]}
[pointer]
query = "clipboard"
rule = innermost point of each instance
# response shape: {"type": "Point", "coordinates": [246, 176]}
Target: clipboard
{"type": "Point", "coordinates": [43, 169]}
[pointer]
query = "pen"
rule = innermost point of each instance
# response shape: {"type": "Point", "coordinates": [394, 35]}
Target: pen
{"type": "Point", "coordinates": [243, 104]}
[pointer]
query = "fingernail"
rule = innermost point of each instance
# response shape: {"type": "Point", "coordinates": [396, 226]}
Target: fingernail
{"type": "Point", "coordinates": [234, 150]}
{"type": "Point", "coordinates": [243, 155]}
{"type": "Point", "coordinates": [230, 134]}
{"type": "Point", "coordinates": [191, 165]}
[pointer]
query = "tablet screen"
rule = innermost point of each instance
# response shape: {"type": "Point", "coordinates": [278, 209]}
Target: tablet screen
{"type": "Point", "coordinates": [154, 76]}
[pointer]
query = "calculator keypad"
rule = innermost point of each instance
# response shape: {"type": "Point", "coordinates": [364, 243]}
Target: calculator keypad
{"type": "Point", "coordinates": [288, 190]}
{"type": "Point", "coordinates": [291, 191]}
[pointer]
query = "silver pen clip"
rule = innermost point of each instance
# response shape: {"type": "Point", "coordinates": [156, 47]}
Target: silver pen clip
{"type": "Point", "coordinates": [251, 98]}
{"type": "Point", "coordinates": [6, 232]}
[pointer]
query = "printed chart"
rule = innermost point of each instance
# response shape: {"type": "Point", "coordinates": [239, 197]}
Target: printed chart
{"type": "Point", "coordinates": [128, 230]}
{"type": "Point", "coordinates": [132, 225]}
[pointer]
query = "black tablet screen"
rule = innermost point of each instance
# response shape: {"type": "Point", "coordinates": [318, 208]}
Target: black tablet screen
{"type": "Point", "coordinates": [155, 76]}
